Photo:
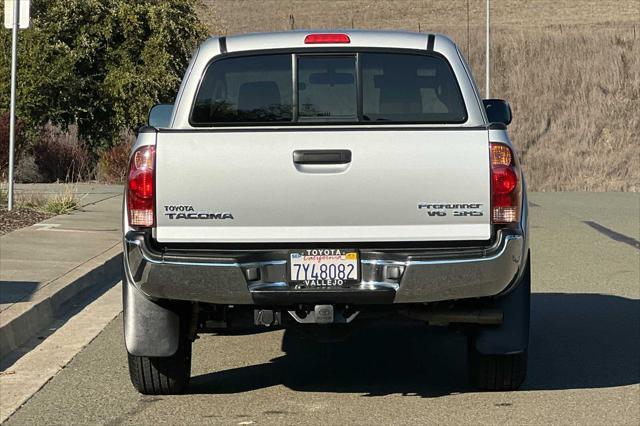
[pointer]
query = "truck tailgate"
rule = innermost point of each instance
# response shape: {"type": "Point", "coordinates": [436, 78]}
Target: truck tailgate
{"type": "Point", "coordinates": [377, 184]}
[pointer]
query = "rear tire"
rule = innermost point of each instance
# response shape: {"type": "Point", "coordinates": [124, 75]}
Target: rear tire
{"type": "Point", "coordinates": [498, 356]}
{"type": "Point", "coordinates": [162, 375]}
{"type": "Point", "coordinates": [497, 372]}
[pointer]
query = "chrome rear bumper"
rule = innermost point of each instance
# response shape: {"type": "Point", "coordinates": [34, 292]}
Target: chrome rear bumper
{"type": "Point", "coordinates": [387, 276]}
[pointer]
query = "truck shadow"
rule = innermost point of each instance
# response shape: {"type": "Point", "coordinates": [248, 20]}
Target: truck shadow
{"type": "Point", "coordinates": [577, 341]}
{"type": "Point", "coordinates": [17, 291]}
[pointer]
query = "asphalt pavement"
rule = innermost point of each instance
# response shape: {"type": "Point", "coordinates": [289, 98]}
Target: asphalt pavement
{"type": "Point", "coordinates": [583, 365]}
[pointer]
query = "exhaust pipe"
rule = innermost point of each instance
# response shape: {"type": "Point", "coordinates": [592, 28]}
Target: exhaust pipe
{"type": "Point", "coordinates": [442, 316]}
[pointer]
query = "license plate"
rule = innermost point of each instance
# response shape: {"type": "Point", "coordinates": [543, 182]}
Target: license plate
{"type": "Point", "coordinates": [324, 267]}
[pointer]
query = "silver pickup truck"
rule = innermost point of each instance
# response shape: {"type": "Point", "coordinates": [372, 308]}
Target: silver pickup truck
{"type": "Point", "coordinates": [315, 180]}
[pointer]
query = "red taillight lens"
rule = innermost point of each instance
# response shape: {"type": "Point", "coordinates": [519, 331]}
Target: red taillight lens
{"type": "Point", "coordinates": [505, 185]}
{"type": "Point", "coordinates": [326, 38]}
{"type": "Point", "coordinates": [504, 180]}
{"type": "Point", "coordinates": [140, 194]}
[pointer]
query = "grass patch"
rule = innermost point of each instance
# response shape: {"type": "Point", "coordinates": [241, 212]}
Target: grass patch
{"type": "Point", "coordinates": [30, 201]}
{"type": "Point", "coordinates": [61, 203]}
{"type": "Point", "coordinates": [55, 204]}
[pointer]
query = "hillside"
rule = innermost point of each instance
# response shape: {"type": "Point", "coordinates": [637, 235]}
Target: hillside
{"type": "Point", "coordinates": [570, 68]}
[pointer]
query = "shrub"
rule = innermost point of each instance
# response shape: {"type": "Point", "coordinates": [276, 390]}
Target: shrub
{"type": "Point", "coordinates": [114, 162]}
{"type": "Point", "coordinates": [60, 155]}
{"type": "Point", "coordinates": [100, 64]}
{"type": "Point", "coordinates": [4, 143]}
{"type": "Point", "coordinates": [26, 170]}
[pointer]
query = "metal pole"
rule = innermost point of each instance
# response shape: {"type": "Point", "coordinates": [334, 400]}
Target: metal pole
{"type": "Point", "coordinates": [468, 33]}
{"type": "Point", "coordinates": [487, 60]}
{"type": "Point", "coordinates": [12, 113]}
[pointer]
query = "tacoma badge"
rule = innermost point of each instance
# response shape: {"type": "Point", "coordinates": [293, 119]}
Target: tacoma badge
{"type": "Point", "coordinates": [187, 212]}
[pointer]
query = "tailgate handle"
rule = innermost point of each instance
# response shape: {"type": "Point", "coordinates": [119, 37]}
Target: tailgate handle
{"type": "Point", "coordinates": [322, 156]}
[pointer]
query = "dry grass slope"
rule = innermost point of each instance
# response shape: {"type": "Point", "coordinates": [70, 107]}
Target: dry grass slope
{"type": "Point", "coordinates": [571, 70]}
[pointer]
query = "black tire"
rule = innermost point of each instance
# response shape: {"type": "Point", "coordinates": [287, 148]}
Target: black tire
{"type": "Point", "coordinates": [162, 375]}
{"type": "Point", "coordinates": [497, 372]}
{"type": "Point", "coordinates": [504, 371]}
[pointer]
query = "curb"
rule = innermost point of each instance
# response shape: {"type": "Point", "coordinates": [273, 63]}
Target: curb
{"type": "Point", "coordinates": [20, 323]}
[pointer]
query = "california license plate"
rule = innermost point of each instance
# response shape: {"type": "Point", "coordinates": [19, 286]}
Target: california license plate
{"type": "Point", "coordinates": [324, 267]}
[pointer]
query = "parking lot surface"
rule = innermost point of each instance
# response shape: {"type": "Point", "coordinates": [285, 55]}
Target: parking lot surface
{"type": "Point", "coordinates": [583, 364]}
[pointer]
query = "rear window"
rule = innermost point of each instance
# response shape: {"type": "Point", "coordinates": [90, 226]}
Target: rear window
{"type": "Point", "coordinates": [327, 88]}
{"type": "Point", "coordinates": [248, 89]}
{"type": "Point", "coordinates": [365, 87]}
{"type": "Point", "coordinates": [413, 88]}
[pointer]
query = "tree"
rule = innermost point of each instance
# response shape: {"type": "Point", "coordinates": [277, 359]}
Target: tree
{"type": "Point", "coordinates": [100, 64]}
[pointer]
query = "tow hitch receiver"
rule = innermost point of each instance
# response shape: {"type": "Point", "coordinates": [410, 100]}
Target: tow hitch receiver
{"type": "Point", "coordinates": [324, 314]}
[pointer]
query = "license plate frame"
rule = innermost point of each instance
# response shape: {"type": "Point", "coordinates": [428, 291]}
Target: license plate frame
{"type": "Point", "coordinates": [324, 283]}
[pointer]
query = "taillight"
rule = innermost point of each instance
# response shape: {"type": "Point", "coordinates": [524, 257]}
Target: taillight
{"type": "Point", "coordinates": [140, 194]}
{"type": "Point", "coordinates": [326, 38]}
{"type": "Point", "coordinates": [505, 185]}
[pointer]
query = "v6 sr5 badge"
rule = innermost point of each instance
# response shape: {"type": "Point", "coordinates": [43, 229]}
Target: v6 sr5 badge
{"type": "Point", "coordinates": [452, 209]}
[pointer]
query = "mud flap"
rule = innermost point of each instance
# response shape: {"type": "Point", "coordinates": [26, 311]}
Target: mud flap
{"type": "Point", "coordinates": [513, 335]}
{"type": "Point", "coordinates": [150, 329]}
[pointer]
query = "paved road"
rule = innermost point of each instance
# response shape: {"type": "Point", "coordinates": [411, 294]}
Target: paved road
{"type": "Point", "coordinates": [584, 369]}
